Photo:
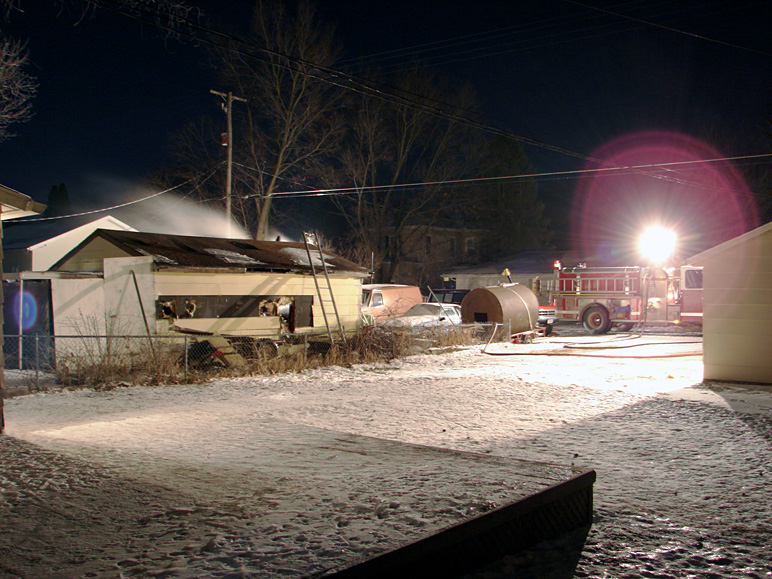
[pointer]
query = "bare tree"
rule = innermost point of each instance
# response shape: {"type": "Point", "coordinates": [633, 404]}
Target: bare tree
{"type": "Point", "coordinates": [8, 6]}
{"type": "Point", "coordinates": [287, 130]}
{"type": "Point", "coordinates": [392, 156]}
{"type": "Point", "coordinates": [291, 123]}
{"type": "Point", "coordinates": [17, 88]}
{"type": "Point", "coordinates": [171, 15]}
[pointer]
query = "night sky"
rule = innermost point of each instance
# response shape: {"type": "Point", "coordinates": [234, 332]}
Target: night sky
{"type": "Point", "coordinates": [560, 73]}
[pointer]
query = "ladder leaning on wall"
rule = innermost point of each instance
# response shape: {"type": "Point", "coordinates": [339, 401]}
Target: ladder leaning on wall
{"type": "Point", "coordinates": [310, 239]}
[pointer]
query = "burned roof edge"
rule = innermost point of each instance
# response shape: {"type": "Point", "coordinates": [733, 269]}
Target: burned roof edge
{"type": "Point", "coordinates": [170, 251]}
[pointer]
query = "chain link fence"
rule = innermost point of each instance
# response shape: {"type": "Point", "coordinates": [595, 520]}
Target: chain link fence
{"type": "Point", "coordinates": [93, 360]}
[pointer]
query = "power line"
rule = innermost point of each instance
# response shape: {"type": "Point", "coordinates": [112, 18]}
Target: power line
{"type": "Point", "coordinates": [624, 170]}
{"type": "Point", "coordinates": [669, 28]}
{"type": "Point", "coordinates": [429, 47]}
{"type": "Point", "coordinates": [358, 84]}
{"type": "Point", "coordinates": [554, 38]}
{"type": "Point", "coordinates": [349, 81]}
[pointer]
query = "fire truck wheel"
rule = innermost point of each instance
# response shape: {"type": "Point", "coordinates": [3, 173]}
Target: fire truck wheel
{"type": "Point", "coordinates": [596, 320]}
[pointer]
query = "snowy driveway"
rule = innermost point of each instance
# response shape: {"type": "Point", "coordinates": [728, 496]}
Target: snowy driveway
{"type": "Point", "coordinates": [683, 481]}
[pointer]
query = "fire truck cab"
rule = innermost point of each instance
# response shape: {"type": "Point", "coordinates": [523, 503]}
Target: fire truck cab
{"type": "Point", "coordinates": [602, 298]}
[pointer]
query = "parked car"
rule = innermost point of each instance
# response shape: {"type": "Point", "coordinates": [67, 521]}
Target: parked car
{"type": "Point", "coordinates": [388, 300]}
{"type": "Point", "coordinates": [428, 314]}
{"type": "Point", "coordinates": [547, 318]}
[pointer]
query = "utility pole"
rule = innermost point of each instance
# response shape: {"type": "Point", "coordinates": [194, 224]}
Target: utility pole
{"type": "Point", "coordinates": [229, 98]}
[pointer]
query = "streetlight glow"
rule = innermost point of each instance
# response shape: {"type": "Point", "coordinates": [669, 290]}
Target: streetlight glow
{"type": "Point", "coordinates": [657, 244]}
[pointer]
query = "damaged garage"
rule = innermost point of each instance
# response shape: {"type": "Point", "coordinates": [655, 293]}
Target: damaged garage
{"type": "Point", "coordinates": [135, 283]}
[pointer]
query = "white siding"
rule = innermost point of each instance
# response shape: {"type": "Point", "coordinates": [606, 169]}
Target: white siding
{"type": "Point", "coordinates": [737, 325]}
{"type": "Point", "coordinates": [122, 296]}
{"type": "Point", "coordinates": [78, 306]}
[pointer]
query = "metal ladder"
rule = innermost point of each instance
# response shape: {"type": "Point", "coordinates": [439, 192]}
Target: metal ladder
{"type": "Point", "coordinates": [310, 239]}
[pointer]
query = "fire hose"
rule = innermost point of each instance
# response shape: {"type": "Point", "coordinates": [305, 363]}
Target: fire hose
{"type": "Point", "coordinates": [592, 347]}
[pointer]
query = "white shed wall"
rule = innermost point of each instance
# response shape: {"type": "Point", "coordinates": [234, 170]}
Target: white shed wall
{"type": "Point", "coordinates": [126, 311]}
{"type": "Point", "coordinates": [78, 306]}
{"type": "Point", "coordinates": [737, 324]}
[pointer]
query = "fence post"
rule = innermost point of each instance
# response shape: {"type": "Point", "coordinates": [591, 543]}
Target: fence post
{"type": "Point", "coordinates": [37, 362]}
{"type": "Point", "coordinates": [21, 322]}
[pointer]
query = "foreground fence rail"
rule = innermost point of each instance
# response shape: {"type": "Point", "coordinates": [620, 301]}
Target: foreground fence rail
{"type": "Point", "coordinates": [83, 360]}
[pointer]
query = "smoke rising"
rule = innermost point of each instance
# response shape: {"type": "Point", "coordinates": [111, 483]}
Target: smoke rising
{"type": "Point", "coordinates": [167, 213]}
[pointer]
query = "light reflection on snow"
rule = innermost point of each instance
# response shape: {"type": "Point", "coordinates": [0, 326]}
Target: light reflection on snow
{"type": "Point", "coordinates": [300, 256]}
{"type": "Point", "coordinates": [468, 392]}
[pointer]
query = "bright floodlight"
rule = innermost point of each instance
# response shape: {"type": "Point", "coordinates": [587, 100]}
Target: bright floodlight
{"type": "Point", "coordinates": [657, 244]}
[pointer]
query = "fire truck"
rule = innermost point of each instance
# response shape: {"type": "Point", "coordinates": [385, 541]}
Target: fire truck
{"type": "Point", "coordinates": [602, 298]}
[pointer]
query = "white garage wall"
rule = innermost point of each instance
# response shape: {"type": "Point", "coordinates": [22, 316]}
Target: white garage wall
{"type": "Point", "coordinates": [737, 324]}
{"type": "Point", "coordinates": [78, 306]}
{"type": "Point", "coordinates": [122, 296]}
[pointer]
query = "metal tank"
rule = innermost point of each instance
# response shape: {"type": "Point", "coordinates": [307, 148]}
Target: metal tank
{"type": "Point", "coordinates": [509, 303]}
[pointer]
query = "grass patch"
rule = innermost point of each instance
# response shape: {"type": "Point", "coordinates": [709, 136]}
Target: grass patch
{"type": "Point", "coordinates": [106, 362]}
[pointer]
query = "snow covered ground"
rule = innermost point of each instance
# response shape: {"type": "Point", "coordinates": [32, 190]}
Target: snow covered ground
{"type": "Point", "coordinates": [177, 481]}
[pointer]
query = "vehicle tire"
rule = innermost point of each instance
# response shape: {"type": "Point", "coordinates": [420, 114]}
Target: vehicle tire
{"type": "Point", "coordinates": [596, 320]}
{"type": "Point", "coordinates": [526, 339]}
{"type": "Point", "coordinates": [547, 330]}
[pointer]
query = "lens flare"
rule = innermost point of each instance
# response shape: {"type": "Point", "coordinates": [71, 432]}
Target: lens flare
{"type": "Point", "coordinates": [706, 202]}
{"type": "Point", "coordinates": [25, 311]}
{"type": "Point", "coordinates": [657, 244]}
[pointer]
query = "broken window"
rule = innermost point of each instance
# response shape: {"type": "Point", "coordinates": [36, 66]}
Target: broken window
{"type": "Point", "coordinates": [295, 311]}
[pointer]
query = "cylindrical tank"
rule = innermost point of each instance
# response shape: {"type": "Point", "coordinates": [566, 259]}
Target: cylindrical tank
{"type": "Point", "coordinates": [509, 303]}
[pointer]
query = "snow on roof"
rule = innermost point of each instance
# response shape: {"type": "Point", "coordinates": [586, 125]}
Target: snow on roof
{"type": "Point", "coordinates": [233, 257]}
{"type": "Point", "coordinates": [158, 258]}
{"type": "Point", "coordinates": [213, 252]}
{"type": "Point", "coordinates": [300, 256]}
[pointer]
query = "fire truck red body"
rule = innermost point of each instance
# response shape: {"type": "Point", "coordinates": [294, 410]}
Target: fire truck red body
{"type": "Point", "coordinates": [623, 297]}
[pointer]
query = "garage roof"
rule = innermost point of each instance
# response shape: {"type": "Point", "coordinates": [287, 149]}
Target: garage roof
{"type": "Point", "coordinates": [178, 251]}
